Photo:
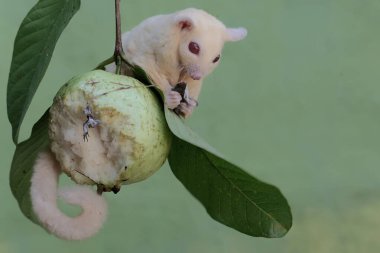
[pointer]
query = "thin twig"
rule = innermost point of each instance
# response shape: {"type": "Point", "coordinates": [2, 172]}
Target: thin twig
{"type": "Point", "coordinates": [122, 64]}
{"type": "Point", "coordinates": [118, 44]}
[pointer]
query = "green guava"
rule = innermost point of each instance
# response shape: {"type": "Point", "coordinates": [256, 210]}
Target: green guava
{"type": "Point", "coordinates": [131, 142]}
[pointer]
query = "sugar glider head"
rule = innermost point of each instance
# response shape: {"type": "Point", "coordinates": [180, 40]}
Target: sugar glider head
{"type": "Point", "coordinates": [201, 39]}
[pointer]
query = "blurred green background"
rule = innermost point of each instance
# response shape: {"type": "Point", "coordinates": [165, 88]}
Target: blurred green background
{"type": "Point", "coordinates": [297, 104]}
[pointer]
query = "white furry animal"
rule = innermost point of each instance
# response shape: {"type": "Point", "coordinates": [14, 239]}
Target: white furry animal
{"type": "Point", "coordinates": [44, 194]}
{"type": "Point", "coordinates": [182, 46]}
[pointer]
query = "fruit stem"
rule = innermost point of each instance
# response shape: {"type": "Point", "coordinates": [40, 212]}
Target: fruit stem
{"type": "Point", "coordinates": [118, 45]}
{"type": "Point", "coordinates": [122, 65]}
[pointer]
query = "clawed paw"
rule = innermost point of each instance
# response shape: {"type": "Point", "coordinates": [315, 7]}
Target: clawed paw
{"type": "Point", "coordinates": [185, 109]}
{"type": "Point", "coordinates": [172, 99]}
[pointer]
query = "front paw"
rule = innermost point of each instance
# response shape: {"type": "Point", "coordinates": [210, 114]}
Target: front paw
{"type": "Point", "coordinates": [172, 99]}
{"type": "Point", "coordinates": [186, 109]}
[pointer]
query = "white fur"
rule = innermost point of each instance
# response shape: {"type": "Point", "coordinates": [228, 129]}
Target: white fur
{"type": "Point", "coordinates": [44, 192]}
{"type": "Point", "coordinates": [236, 34]}
{"type": "Point", "coordinates": [160, 46]}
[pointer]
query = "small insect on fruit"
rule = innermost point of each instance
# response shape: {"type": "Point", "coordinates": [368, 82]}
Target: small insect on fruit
{"type": "Point", "coordinates": [89, 123]}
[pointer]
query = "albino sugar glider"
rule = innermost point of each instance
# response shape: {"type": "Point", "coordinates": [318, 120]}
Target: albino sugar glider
{"type": "Point", "coordinates": [184, 46]}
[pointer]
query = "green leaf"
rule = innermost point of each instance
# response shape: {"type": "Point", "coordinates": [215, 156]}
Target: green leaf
{"type": "Point", "coordinates": [182, 131]}
{"type": "Point", "coordinates": [23, 161]}
{"type": "Point", "coordinates": [229, 194]}
{"type": "Point", "coordinates": [33, 48]}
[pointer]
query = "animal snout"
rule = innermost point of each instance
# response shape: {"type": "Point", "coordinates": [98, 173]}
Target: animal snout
{"type": "Point", "coordinates": [194, 72]}
{"type": "Point", "coordinates": [196, 76]}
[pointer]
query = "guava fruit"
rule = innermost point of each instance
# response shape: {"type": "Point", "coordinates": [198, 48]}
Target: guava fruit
{"type": "Point", "coordinates": [130, 143]}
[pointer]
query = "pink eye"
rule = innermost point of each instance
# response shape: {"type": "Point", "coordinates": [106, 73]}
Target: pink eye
{"type": "Point", "coordinates": [216, 59]}
{"type": "Point", "coordinates": [194, 48]}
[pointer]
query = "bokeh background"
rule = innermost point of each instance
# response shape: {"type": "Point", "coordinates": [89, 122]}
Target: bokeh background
{"type": "Point", "coordinates": [296, 104]}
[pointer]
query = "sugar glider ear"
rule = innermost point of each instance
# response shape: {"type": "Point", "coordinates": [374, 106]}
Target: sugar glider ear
{"type": "Point", "coordinates": [185, 23]}
{"type": "Point", "coordinates": [235, 34]}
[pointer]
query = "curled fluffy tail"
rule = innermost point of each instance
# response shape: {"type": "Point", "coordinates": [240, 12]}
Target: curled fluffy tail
{"type": "Point", "coordinates": [44, 192]}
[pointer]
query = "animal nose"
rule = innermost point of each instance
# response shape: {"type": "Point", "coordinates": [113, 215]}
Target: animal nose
{"type": "Point", "coordinates": [196, 77]}
{"type": "Point", "coordinates": [194, 71]}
